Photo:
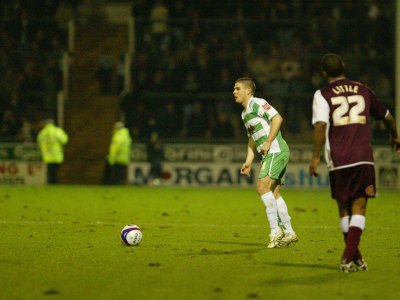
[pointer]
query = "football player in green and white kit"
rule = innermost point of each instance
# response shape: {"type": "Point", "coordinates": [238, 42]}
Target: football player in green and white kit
{"type": "Point", "coordinates": [263, 123]}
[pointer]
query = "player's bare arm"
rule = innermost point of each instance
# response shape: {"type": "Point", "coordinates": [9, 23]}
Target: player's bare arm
{"type": "Point", "coordinates": [319, 140]}
{"type": "Point", "coordinates": [390, 124]}
{"type": "Point", "coordinates": [246, 167]}
{"type": "Point", "coordinates": [276, 123]}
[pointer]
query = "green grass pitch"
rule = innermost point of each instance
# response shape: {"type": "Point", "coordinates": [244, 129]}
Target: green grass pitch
{"type": "Point", "coordinates": [62, 242]}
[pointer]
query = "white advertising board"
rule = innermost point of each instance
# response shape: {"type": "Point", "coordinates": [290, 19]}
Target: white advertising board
{"type": "Point", "coordinates": [22, 172]}
{"type": "Point", "coordinates": [219, 165]}
{"type": "Point", "coordinates": [222, 174]}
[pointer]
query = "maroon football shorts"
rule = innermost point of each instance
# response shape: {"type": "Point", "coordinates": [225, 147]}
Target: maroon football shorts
{"type": "Point", "coordinates": [351, 183]}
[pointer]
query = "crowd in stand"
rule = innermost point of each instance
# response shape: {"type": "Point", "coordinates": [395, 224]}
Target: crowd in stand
{"type": "Point", "coordinates": [32, 39]}
{"type": "Point", "coordinates": [188, 55]}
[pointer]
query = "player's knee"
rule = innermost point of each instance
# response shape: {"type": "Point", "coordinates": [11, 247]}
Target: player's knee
{"type": "Point", "coordinates": [262, 189]}
{"type": "Point", "coordinates": [264, 185]}
{"type": "Point", "coordinates": [359, 206]}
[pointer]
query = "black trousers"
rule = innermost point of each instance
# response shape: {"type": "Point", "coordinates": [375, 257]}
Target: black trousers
{"type": "Point", "coordinates": [114, 174]}
{"type": "Point", "coordinates": [52, 173]}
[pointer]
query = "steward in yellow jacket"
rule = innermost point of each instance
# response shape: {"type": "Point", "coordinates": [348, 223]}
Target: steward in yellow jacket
{"type": "Point", "coordinates": [52, 140]}
{"type": "Point", "coordinates": [118, 156]}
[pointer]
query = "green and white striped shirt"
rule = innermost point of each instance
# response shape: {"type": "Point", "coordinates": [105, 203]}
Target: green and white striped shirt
{"type": "Point", "coordinates": [257, 118]}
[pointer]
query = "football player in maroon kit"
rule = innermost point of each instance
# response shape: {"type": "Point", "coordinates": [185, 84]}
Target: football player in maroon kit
{"type": "Point", "coordinates": [341, 118]}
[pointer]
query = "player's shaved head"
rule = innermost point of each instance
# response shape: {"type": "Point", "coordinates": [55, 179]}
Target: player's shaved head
{"type": "Point", "coordinates": [332, 65]}
{"type": "Point", "coordinates": [248, 83]}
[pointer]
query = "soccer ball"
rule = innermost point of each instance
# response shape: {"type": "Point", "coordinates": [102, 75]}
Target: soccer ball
{"type": "Point", "coordinates": [131, 235]}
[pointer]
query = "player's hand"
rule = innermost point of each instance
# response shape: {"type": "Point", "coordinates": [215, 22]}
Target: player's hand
{"type": "Point", "coordinates": [245, 170]}
{"type": "Point", "coordinates": [265, 148]}
{"type": "Point", "coordinates": [313, 166]}
{"type": "Point", "coordinates": [396, 144]}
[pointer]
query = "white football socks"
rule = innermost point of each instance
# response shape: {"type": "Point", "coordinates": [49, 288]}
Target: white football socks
{"type": "Point", "coordinates": [357, 221]}
{"type": "Point", "coordinates": [283, 214]}
{"type": "Point", "coordinates": [272, 210]}
{"type": "Point", "coordinates": [344, 224]}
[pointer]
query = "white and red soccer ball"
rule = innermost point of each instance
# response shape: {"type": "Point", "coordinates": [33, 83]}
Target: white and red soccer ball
{"type": "Point", "coordinates": [131, 235]}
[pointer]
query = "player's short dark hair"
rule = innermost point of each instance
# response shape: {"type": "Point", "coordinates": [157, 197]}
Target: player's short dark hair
{"type": "Point", "coordinates": [248, 82]}
{"type": "Point", "coordinates": [332, 65]}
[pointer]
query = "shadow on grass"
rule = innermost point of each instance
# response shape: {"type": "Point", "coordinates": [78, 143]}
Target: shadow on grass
{"type": "Point", "coordinates": [258, 247]}
{"type": "Point", "coordinates": [311, 278]}
{"type": "Point", "coordinates": [302, 265]}
{"type": "Point", "coordinates": [234, 243]}
{"type": "Point", "coordinates": [205, 251]}
{"type": "Point", "coordinates": [252, 248]}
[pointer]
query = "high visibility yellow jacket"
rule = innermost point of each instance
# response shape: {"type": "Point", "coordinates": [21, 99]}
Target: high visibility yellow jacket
{"type": "Point", "coordinates": [51, 140]}
{"type": "Point", "coordinates": [120, 147]}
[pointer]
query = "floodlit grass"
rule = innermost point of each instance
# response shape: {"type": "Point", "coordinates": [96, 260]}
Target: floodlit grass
{"type": "Point", "coordinates": [62, 242]}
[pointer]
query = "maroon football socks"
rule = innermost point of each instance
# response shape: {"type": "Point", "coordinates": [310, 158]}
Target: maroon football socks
{"type": "Point", "coordinates": [352, 239]}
